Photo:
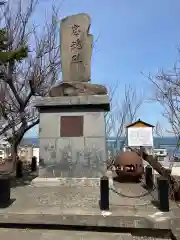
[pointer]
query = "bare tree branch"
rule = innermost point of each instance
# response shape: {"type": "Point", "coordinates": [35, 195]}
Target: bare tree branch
{"type": "Point", "coordinates": [158, 130]}
{"type": "Point", "coordinates": [167, 93]}
{"type": "Point", "coordinates": [33, 76]}
{"type": "Point", "coordinates": [123, 111]}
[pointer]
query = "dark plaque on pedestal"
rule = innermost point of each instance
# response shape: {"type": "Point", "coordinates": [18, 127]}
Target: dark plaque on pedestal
{"type": "Point", "coordinates": [72, 126]}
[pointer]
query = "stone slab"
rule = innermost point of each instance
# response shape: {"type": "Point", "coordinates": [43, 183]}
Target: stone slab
{"type": "Point", "coordinates": [49, 182]}
{"type": "Point", "coordinates": [176, 233]}
{"type": "Point", "coordinates": [57, 234]}
{"type": "Point", "coordinates": [79, 206]}
{"type": "Point", "coordinates": [50, 126]}
{"type": "Point", "coordinates": [84, 219]}
{"type": "Point", "coordinates": [71, 100]}
{"type": "Point", "coordinates": [80, 156]}
{"type": "Point", "coordinates": [76, 48]}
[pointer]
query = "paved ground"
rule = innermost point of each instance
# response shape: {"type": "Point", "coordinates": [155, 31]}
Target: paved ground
{"type": "Point", "coordinates": [130, 195]}
{"type": "Point", "coordinates": [28, 234]}
{"type": "Point", "coordinates": [129, 207]}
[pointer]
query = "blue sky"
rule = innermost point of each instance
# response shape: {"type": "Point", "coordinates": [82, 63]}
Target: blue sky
{"type": "Point", "coordinates": [133, 36]}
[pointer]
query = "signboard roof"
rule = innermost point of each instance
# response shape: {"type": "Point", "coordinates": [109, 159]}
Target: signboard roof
{"type": "Point", "coordinates": [139, 123]}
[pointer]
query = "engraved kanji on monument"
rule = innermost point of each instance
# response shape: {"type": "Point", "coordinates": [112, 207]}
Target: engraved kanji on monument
{"type": "Point", "coordinates": [76, 48]}
{"type": "Point", "coordinates": [66, 116]}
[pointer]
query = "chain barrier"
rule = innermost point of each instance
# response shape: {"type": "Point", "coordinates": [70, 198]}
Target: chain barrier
{"type": "Point", "coordinates": [132, 196]}
{"type": "Point", "coordinates": [174, 184]}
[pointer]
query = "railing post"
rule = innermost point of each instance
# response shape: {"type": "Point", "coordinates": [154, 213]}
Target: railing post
{"type": "Point", "coordinates": [5, 185]}
{"type": "Point", "coordinates": [149, 177]}
{"type": "Point", "coordinates": [104, 193]}
{"type": "Point", "coordinates": [163, 194]}
{"type": "Point", "coordinates": [34, 164]}
{"type": "Point", "coordinates": [19, 169]}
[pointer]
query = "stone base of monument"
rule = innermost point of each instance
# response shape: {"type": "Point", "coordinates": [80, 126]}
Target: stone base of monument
{"type": "Point", "coordinates": [72, 136]}
{"type": "Point", "coordinates": [53, 182]}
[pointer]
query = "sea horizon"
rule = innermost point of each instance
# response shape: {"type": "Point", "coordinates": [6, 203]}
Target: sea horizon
{"type": "Point", "coordinates": [159, 142]}
{"type": "Point", "coordinates": [169, 143]}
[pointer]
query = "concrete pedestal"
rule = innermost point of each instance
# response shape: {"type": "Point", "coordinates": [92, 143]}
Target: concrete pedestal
{"type": "Point", "coordinates": [72, 136]}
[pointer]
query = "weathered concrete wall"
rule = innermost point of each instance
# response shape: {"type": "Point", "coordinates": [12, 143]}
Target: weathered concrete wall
{"type": "Point", "coordinates": [72, 156]}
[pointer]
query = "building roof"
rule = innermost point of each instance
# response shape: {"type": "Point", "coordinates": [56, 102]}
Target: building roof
{"type": "Point", "coordinates": [139, 121]}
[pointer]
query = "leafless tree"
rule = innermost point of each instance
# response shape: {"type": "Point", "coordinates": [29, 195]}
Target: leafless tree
{"type": "Point", "coordinates": [167, 92]}
{"type": "Point", "coordinates": [123, 112]}
{"type": "Point", "coordinates": [33, 76]}
{"type": "Point", "coordinates": [158, 130]}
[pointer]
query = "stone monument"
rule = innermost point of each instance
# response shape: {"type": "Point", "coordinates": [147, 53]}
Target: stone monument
{"type": "Point", "coordinates": [76, 51]}
{"type": "Point", "coordinates": [72, 125]}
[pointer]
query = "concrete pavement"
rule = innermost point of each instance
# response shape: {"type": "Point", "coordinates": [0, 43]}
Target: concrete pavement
{"type": "Point", "coordinates": [130, 207]}
{"type": "Point", "coordinates": [77, 206]}
{"type": "Point", "coordinates": [30, 234]}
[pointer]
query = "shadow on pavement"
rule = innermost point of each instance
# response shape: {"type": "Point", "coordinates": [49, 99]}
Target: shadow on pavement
{"type": "Point", "coordinates": [126, 179]}
{"type": "Point", "coordinates": [156, 204]}
{"type": "Point", "coordinates": [25, 180]}
{"type": "Point", "coordinates": [7, 204]}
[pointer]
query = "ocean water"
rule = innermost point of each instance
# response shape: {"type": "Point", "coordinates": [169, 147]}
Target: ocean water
{"type": "Point", "coordinates": [115, 145]}
{"type": "Point", "coordinates": [170, 143]}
